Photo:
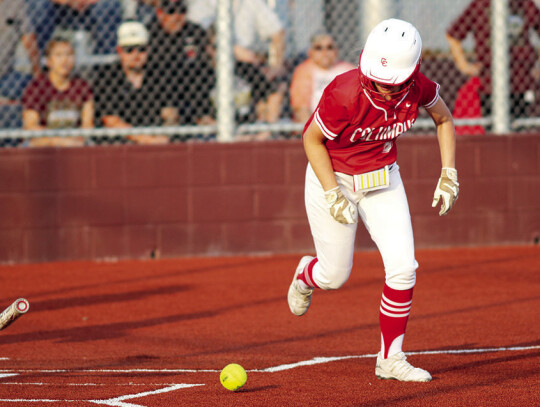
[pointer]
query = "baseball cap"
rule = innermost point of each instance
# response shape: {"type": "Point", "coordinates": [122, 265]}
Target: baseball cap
{"type": "Point", "coordinates": [132, 33]}
{"type": "Point", "coordinates": [173, 6]}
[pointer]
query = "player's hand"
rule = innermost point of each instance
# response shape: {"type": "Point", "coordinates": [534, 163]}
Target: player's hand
{"type": "Point", "coordinates": [447, 190]}
{"type": "Point", "coordinates": [341, 209]}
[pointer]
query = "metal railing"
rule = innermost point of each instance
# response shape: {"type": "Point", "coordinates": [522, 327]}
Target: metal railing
{"type": "Point", "coordinates": [500, 122]}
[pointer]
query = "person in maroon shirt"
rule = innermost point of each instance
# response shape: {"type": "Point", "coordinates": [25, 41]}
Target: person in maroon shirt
{"type": "Point", "coordinates": [524, 17]}
{"type": "Point", "coordinates": [58, 100]}
{"type": "Point", "coordinates": [352, 173]}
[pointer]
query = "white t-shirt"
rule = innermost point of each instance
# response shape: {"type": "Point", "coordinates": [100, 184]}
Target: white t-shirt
{"type": "Point", "coordinates": [309, 81]}
{"type": "Point", "coordinates": [254, 20]}
{"type": "Point", "coordinates": [14, 22]}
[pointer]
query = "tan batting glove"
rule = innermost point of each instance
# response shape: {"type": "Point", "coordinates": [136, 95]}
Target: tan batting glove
{"type": "Point", "coordinates": [447, 189]}
{"type": "Point", "coordinates": [340, 207]}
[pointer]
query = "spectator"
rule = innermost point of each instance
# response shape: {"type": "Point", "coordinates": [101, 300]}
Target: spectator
{"type": "Point", "coordinates": [99, 18]}
{"type": "Point", "coordinates": [314, 74]}
{"type": "Point", "coordinates": [57, 99]}
{"type": "Point", "coordinates": [14, 27]}
{"type": "Point", "coordinates": [251, 87]}
{"type": "Point", "coordinates": [259, 40]}
{"type": "Point", "coordinates": [179, 65]}
{"type": "Point", "coordinates": [199, 11]}
{"type": "Point", "coordinates": [475, 19]}
{"type": "Point", "coordinates": [125, 95]}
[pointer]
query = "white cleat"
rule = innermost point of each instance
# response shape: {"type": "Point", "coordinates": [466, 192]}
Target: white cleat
{"type": "Point", "coordinates": [299, 298]}
{"type": "Point", "coordinates": [396, 367]}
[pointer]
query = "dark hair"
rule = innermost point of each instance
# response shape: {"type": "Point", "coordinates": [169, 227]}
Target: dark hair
{"type": "Point", "coordinates": [173, 6]}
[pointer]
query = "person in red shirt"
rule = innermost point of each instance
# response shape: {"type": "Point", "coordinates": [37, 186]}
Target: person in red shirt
{"type": "Point", "coordinates": [524, 18]}
{"type": "Point", "coordinates": [58, 99]}
{"type": "Point", "coordinates": [352, 172]}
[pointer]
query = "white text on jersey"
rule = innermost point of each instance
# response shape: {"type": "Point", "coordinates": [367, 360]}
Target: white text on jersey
{"type": "Point", "coordinates": [381, 133]}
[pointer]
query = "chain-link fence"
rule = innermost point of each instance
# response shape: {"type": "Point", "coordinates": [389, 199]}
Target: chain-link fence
{"type": "Point", "coordinates": [88, 72]}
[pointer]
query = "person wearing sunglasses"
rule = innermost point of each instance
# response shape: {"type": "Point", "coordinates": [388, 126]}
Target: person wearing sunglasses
{"type": "Point", "coordinates": [314, 74]}
{"type": "Point", "coordinates": [350, 142]}
{"type": "Point", "coordinates": [125, 94]}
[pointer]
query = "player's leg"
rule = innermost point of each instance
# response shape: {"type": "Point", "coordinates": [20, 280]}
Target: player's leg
{"type": "Point", "coordinates": [334, 245]}
{"type": "Point", "coordinates": [386, 216]}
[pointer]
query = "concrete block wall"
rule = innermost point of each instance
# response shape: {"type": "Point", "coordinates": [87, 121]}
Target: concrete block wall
{"type": "Point", "coordinates": [118, 202]}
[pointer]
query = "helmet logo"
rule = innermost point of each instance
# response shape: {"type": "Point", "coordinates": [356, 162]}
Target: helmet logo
{"type": "Point", "coordinates": [384, 62]}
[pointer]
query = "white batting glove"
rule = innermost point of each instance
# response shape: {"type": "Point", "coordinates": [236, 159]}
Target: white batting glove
{"type": "Point", "coordinates": [341, 209]}
{"type": "Point", "coordinates": [447, 190]}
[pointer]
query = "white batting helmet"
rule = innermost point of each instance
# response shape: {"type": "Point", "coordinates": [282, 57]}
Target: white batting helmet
{"type": "Point", "coordinates": [392, 52]}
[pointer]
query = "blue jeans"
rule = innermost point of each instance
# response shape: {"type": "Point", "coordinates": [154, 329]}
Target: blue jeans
{"type": "Point", "coordinates": [12, 84]}
{"type": "Point", "coordinates": [101, 20]}
{"type": "Point", "coordinates": [12, 87]}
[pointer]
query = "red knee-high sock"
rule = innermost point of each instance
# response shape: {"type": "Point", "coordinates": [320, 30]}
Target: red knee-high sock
{"type": "Point", "coordinates": [393, 315]}
{"type": "Point", "coordinates": [306, 275]}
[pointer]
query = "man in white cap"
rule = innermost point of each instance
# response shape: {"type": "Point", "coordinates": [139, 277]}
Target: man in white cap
{"type": "Point", "coordinates": [125, 95]}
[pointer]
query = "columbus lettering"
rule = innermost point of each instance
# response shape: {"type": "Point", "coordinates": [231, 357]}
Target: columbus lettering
{"type": "Point", "coordinates": [381, 133]}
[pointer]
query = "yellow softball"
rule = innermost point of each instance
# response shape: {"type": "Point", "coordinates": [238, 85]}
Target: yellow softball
{"type": "Point", "coordinates": [233, 376]}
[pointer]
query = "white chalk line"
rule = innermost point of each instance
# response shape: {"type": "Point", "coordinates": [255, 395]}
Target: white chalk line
{"type": "Point", "coordinates": [120, 401]}
{"type": "Point", "coordinates": [85, 384]}
{"type": "Point", "coordinates": [320, 360]}
{"type": "Point", "coordinates": [279, 368]}
{"type": "Point", "coordinates": [115, 401]}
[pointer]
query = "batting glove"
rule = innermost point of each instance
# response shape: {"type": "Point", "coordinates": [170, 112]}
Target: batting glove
{"type": "Point", "coordinates": [447, 190]}
{"type": "Point", "coordinates": [340, 207]}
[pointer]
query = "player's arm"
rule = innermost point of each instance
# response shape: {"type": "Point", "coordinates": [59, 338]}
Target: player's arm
{"type": "Point", "coordinates": [444, 122]}
{"type": "Point", "coordinates": [318, 156]}
{"type": "Point", "coordinates": [448, 186]}
{"type": "Point", "coordinates": [341, 209]}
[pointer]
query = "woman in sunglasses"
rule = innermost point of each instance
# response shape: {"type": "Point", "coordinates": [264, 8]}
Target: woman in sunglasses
{"type": "Point", "coordinates": [314, 74]}
{"type": "Point", "coordinates": [352, 172]}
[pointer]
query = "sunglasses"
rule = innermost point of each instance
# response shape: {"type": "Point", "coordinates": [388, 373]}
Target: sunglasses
{"type": "Point", "coordinates": [130, 48]}
{"type": "Point", "coordinates": [329, 47]}
{"type": "Point", "coordinates": [174, 10]}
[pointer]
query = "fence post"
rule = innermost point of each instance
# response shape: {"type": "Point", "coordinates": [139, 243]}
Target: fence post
{"type": "Point", "coordinates": [225, 71]}
{"type": "Point", "coordinates": [500, 77]}
{"type": "Point", "coordinates": [372, 12]}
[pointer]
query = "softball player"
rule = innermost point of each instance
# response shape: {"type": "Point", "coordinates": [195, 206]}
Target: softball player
{"type": "Point", "coordinates": [352, 172]}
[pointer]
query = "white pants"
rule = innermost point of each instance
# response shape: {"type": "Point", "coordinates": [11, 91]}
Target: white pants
{"type": "Point", "coordinates": [385, 214]}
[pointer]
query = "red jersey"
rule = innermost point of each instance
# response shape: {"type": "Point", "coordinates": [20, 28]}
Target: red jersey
{"type": "Point", "coordinates": [360, 130]}
{"type": "Point", "coordinates": [56, 108]}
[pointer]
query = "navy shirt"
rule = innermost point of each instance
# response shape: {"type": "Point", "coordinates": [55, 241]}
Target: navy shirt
{"type": "Point", "coordinates": [180, 69]}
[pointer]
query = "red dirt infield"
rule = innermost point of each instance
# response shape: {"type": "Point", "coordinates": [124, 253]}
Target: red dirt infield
{"type": "Point", "coordinates": [156, 333]}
